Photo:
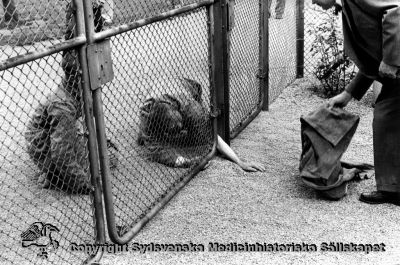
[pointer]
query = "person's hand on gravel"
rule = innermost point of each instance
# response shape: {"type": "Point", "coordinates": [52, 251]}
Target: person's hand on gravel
{"type": "Point", "coordinates": [340, 100]}
{"type": "Point", "coordinates": [251, 166]}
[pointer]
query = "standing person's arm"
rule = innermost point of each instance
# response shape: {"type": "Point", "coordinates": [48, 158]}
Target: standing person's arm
{"type": "Point", "coordinates": [356, 89]}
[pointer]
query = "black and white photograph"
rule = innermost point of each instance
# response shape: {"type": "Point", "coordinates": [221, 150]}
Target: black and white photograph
{"type": "Point", "coordinates": [191, 132]}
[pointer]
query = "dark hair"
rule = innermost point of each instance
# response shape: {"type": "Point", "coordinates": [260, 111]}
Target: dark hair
{"type": "Point", "coordinates": [195, 88]}
{"type": "Point", "coordinates": [163, 120]}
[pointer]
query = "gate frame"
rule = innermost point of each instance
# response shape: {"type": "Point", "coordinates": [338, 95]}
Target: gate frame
{"type": "Point", "coordinates": [220, 63]}
{"type": "Point", "coordinates": [93, 38]}
{"type": "Point", "coordinates": [300, 38]}
{"type": "Point", "coordinates": [84, 20]}
{"type": "Point", "coordinates": [263, 71]}
{"type": "Point", "coordinates": [78, 43]}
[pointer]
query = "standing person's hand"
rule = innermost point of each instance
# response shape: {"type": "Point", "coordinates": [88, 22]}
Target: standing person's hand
{"type": "Point", "coordinates": [389, 71]}
{"type": "Point", "coordinates": [340, 100]}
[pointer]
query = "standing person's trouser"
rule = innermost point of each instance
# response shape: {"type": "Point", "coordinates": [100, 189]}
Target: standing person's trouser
{"type": "Point", "coordinates": [386, 134]}
{"type": "Point", "coordinates": [279, 8]}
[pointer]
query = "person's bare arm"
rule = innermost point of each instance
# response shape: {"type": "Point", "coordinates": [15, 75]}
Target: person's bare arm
{"type": "Point", "coordinates": [227, 151]}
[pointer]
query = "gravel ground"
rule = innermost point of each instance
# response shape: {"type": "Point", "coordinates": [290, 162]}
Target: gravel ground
{"type": "Point", "coordinates": [224, 204]}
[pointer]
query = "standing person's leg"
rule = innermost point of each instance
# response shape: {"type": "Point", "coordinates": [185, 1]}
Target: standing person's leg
{"type": "Point", "coordinates": [386, 137]}
{"type": "Point", "coordinates": [280, 8]}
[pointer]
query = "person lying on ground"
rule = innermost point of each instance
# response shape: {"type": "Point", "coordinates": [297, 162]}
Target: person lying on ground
{"type": "Point", "coordinates": [178, 118]}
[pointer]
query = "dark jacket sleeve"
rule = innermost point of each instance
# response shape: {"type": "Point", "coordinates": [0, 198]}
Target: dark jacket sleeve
{"type": "Point", "coordinates": [359, 85]}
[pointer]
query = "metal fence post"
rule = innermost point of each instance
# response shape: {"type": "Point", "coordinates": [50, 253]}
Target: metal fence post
{"type": "Point", "coordinates": [219, 54]}
{"type": "Point", "coordinates": [100, 132]}
{"type": "Point", "coordinates": [264, 52]}
{"type": "Point", "coordinates": [300, 38]}
{"type": "Point", "coordinates": [98, 213]}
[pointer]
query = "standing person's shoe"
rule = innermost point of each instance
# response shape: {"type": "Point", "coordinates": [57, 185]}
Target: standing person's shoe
{"type": "Point", "coordinates": [378, 197]}
{"type": "Point", "coordinates": [279, 16]}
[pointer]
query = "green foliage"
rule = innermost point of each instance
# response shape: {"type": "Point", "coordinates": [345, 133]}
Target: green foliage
{"type": "Point", "coordinates": [334, 69]}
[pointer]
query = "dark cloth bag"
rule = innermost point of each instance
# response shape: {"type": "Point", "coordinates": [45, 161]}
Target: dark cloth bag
{"type": "Point", "coordinates": [325, 135]}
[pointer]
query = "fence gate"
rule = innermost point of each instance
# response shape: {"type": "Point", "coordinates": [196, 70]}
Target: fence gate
{"type": "Point", "coordinates": [151, 54]}
{"type": "Point", "coordinates": [71, 115]}
{"type": "Point", "coordinates": [286, 37]}
{"type": "Point", "coordinates": [44, 158]}
{"type": "Point", "coordinates": [248, 63]}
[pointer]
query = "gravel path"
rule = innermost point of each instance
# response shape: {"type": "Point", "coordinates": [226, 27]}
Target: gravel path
{"type": "Point", "coordinates": [224, 204]}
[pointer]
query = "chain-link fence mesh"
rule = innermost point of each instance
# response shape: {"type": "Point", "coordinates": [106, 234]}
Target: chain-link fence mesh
{"type": "Point", "coordinates": [157, 113]}
{"type": "Point", "coordinates": [313, 17]}
{"type": "Point", "coordinates": [125, 11]}
{"type": "Point", "coordinates": [324, 57]}
{"type": "Point", "coordinates": [282, 46]}
{"type": "Point", "coordinates": [30, 25]}
{"type": "Point", "coordinates": [245, 71]}
{"type": "Point", "coordinates": [45, 179]}
{"type": "Point", "coordinates": [245, 90]}
{"type": "Point", "coordinates": [157, 110]}
{"type": "Point", "coordinates": [32, 99]}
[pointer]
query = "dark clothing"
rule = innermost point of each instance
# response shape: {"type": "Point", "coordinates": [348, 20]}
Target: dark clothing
{"type": "Point", "coordinates": [172, 123]}
{"type": "Point", "coordinates": [371, 35]}
{"type": "Point", "coordinates": [56, 144]}
{"type": "Point", "coordinates": [359, 85]}
{"type": "Point", "coordinates": [386, 130]}
{"type": "Point", "coordinates": [10, 11]}
{"type": "Point", "coordinates": [325, 135]}
{"type": "Point", "coordinates": [55, 138]}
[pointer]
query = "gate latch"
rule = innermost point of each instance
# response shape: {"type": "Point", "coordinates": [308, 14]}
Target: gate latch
{"type": "Point", "coordinates": [100, 63]}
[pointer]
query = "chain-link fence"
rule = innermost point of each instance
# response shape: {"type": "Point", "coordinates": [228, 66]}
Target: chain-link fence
{"type": "Point", "coordinates": [157, 111]}
{"type": "Point", "coordinates": [246, 89]}
{"type": "Point", "coordinates": [248, 70]}
{"type": "Point", "coordinates": [325, 60]}
{"type": "Point", "coordinates": [119, 101]}
{"type": "Point", "coordinates": [284, 19]}
{"type": "Point", "coordinates": [313, 17]}
{"type": "Point", "coordinates": [45, 177]}
{"type": "Point", "coordinates": [323, 44]}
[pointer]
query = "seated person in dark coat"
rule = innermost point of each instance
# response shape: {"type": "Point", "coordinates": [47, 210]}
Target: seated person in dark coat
{"type": "Point", "coordinates": [55, 138]}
